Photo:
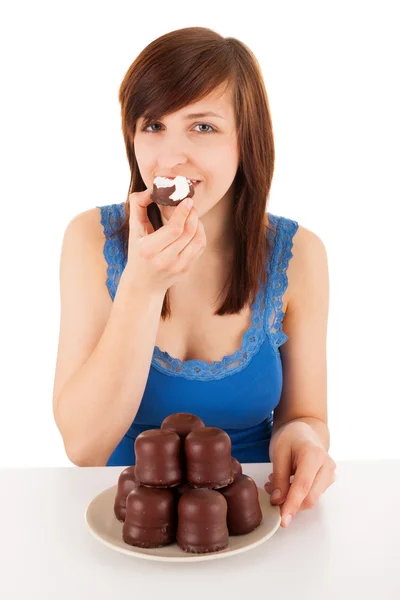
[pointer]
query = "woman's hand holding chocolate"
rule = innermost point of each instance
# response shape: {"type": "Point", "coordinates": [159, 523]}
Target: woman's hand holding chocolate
{"type": "Point", "coordinates": [157, 259]}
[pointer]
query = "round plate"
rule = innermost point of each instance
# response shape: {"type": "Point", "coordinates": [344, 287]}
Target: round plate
{"type": "Point", "coordinates": [105, 527]}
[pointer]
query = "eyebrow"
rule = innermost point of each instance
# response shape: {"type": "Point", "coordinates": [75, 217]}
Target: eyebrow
{"type": "Point", "coordinates": [201, 115]}
{"type": "Point", "coordinates": [189, 116]}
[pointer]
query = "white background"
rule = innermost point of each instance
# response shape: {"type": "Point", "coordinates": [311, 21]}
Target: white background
{"type": "Point", "coordinates": [332, 80]}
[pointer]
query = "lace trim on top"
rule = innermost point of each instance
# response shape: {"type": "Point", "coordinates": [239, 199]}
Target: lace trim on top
{"type": "Point", "coordinates": [267, 314]}
{"type": "Point", "coordinates": [279, 281]}
{"type": "Point", "coordinates": [203, 371]}
{"type": "Point", "coordinates": [111, 219]}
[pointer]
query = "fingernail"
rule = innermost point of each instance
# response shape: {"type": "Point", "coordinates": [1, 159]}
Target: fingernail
{"type": "Point", "coordinates": [276, 494]}
{"type": "Point", "coordinates": [189, 202]}
{"type": "Point", "coordinates": [287, 520]}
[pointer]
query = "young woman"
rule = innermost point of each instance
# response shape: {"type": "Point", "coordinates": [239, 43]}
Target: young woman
{"type": "Point", "coordinates": [219, 309]}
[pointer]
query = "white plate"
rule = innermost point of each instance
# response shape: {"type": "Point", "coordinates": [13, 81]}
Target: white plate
{"type": "Point", "coordinates": [105, 527]}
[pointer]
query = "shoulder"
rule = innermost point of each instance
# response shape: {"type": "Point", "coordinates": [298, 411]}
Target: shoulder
{"type": "Point", "coordinates": [89, 245]}
{"type": "Point", "coordinates": [308, 267]}
{"type": "Point", "coordinates": [96, 223]}
{"type": "Point", "coordinates": [84, 241]}
{"type": "Point", "coordinates": [307, 243]}
{"type": "Point", "coordinates": [86, 225]}
{"type": "Point", "coordinates": [302, 250]}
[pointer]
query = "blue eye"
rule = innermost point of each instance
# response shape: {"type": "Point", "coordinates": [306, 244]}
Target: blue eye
{"type": "Point", "coordinates": [211, 130]}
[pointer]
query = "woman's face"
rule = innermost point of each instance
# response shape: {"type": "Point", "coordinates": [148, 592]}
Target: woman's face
{"type": "Point", "coordinates": [196, 145]}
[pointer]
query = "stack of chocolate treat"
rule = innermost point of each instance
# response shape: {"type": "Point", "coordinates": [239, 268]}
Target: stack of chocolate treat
{"type": "Point", "coordinates": [185, 488]}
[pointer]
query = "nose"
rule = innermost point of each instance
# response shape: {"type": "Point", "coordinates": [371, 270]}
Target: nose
{"type": "Point", "coordinates": [171, 153]}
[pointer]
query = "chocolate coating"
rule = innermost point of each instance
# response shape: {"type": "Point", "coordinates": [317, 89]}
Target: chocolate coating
{"type": "Point", "coordinates": [182, 423]}
{"type": "Point", "coordinates": [150, 520]}
{"type": "Point", "coordinates": [208, 458]}
{"type": "Point", "coordinates": [244, 511]}
{"type": "Point", "coordinates": [202, 525]}
{"type": "Point", "coordinates": [158, 458]}
{"type": "Point", "coordinates": [182, 489]}
{"type": "Point", "coordinates": [162, 195]}
{"type": "Point", "coordinates": [126, 483]}
{"type": "Point", "coordinates": [236, 466]}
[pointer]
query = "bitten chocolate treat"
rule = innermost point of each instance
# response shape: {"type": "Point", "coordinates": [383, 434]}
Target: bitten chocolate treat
{"type": "Point", "coordinates": [171, 192]}
{"type": "Point", "coordinates": [182, 423]}
{"type": "Point", "coordinates": [158, 458]}
{"type": "Point", "coordinates": [126, 483]}
{"type": "Point", "coordinates": [244, 511]}
{"type": "Point", "coordinates": [202, 525]}
{"type": "Point", "coordinates": [150, 520]}
{"type": "Point", "coordinates": [208, 458]}
{"type": "Point", "coordinates": [236, 466]}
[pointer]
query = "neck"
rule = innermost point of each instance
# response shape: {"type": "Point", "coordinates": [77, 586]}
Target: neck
{"type": "Point", "coordinates": [215, 262]}
{"type": "Point", "coordinates": [218, 227]}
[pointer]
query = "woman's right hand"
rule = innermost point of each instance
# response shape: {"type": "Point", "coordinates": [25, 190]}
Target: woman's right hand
{"type": "Point", "coordinates": [157, 259]}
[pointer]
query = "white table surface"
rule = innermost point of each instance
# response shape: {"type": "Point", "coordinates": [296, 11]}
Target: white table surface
{"type": "Point", "coordinates": [346, 547]}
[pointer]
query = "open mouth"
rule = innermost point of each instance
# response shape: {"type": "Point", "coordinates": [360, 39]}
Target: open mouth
{"type": "Point", "coordinates": [195, 182]}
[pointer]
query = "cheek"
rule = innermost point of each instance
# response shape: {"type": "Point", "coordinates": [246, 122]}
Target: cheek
{"type": "Point", "coordinates": [141, 152]}
{"type": "Point", "coordinates": [145, 162]}
{"type": "Point", "coordinates": [218, 166]}
{"type": "Point", "coordinates": [224, 157]}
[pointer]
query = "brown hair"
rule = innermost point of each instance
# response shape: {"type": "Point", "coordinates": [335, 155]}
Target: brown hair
{"type": "Point", "coordinates": [182, 67]}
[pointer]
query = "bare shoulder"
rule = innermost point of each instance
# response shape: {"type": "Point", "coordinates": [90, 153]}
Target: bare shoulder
{"type": "Point", "coordinates": [308, 260]}
{"type": "Point", "coordinates": [309, 263]}
{"type": "Point", "coordinates": [83, 267]}
{"type": "Point", "coordinates": [84, 235]}
{"type": "Point", "coordinates": [87, 222]}
{"type": "Point", "coordinates": [85, 301]}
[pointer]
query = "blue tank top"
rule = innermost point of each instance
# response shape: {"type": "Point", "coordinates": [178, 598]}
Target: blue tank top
{"type": "Point", "coordinates": [238, 393]}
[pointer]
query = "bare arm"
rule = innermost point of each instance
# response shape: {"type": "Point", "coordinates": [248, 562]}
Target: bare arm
{"type": "Point", "coordinates": [304, 393]}
{"type": "Point", "coordinates": [96, 400]}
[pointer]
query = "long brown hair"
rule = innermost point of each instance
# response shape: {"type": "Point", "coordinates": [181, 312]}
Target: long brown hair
{"type": "Point", "coordinates": [182, 67]}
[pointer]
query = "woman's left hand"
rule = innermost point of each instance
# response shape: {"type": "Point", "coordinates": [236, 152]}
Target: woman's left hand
{"type": "Point", "coordinates": [299, 451]}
